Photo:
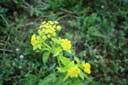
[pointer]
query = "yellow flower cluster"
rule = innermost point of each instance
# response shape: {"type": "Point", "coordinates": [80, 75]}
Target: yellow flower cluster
{"type": "Point", "coordinates": [49, 28]}
{"type": "Point", "coordinates": [74, 71]}
{"type": "Point", "coordinates": [87, 68]}
{"type": "Point", "coordinates": [34, 41]}
{"type": "Point", "coordinates": [46, 30]}
{"type": "Point", "coordinates": [66, 44]}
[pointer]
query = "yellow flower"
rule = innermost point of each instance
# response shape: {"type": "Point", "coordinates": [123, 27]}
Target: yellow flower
{"type": "Point", "coordinates": [43, 22]}
{"type": "Point", "coordinates": [87, 68]}
{"type": "Point", "coordinates": [74, 71]}
{"type": "Point", "coordinates": [33, 40]}
{"type": "Point", "coordinates": [58, 27]}
{"type": "Point", "coordinates": [51, 22]}
{"type": "Point", "coordinates": [51, 30]}
{"type": "Point", "coordinates": [56, 22]}
{"type": "Point", "coordinates": [66, 44]}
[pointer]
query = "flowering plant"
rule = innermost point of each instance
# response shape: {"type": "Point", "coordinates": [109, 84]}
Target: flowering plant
{"type": "Point", "coordinates": [48, 42]}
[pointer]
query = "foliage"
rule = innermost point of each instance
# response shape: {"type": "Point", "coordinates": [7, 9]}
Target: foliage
{"type": "Point", "coordinates": [97, 29]}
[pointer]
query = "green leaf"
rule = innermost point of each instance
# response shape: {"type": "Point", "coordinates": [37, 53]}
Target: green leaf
{"type": "Point", "coordinates": [62, 69]}
{"type": "Point", "coordinates": [77, 59]}
{"type": "Point", "coordinates": [76, 81]}
{"type": "Point", "coordinates": [55, 40]}
{"type": "Point", "coordinates": [56, 51]}
{"type": "Point", "coordinates": [45, 56]}
{"type": "Point", "coordinates": [49, 79]}
{"type": "Point", "coordinates": [31, 79]}
{"type": "Point", "coordinates": [82, 75]}
{"type": "Point", "coordinates": [65, 61]}
{"type": "Point", "coordinates": [66, 64]}
{"type": "Point", "coordinates": [88, 78]}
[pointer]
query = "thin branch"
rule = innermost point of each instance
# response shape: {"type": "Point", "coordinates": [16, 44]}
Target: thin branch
{"type": "Point", "coordinates": [6, 50]}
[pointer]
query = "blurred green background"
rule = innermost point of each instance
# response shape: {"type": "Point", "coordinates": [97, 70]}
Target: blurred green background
{"type": "Point", "coordinates": [98, 30]}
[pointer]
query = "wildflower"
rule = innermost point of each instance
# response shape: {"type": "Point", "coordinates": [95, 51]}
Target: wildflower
{"type": "Point", "coordinates": [33, 40]}
{"type": "Point", "coordinates": [87, 68]}
{"type": "Point", "coordinates": [17, 49]}
{"type": "Point", "coordinates": [74, 71]}
{"type": "Point", "coordinates": [43, 22]}
{"type": "Point", "coordinates": [51, 31]}
{"type": "Point", "coordinates": [49, 28]}
{"type": "Point", "coordinates": [102, 6]}
{"type": "Point", "coordinates": [65, 44]}
{"type": "Point", "coordinates": [21, 56]}
{"type": "Point", "coordinates": [56, 22]}
{"type": "Point", "coordinates": [58, 27]}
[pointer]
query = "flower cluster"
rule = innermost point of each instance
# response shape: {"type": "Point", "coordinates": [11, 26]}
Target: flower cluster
{"type": "Point", "coordinates": [49, 28]}
{"type": "Point", "coordinates": [46, 31]}
{"type": "Point", "coordinates": [66, 44]}
{"type": "Point", "coordinates": [35, 41]}
{"type": "Point", "coordinates": [87, 68]}
{"type": "Point", "coordinates": [74, 71]}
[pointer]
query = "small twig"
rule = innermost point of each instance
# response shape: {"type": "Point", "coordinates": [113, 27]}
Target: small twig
{"type": "Point", "coordinates": [5, 50]}
{"type": "Point", "coordinates": [31, 23]}
{"type": "Point", "coordinates": [67, 11]}
{"type": "Point", "coordinates": [2, 41]}
{"type": "Point", "coordinates": [6, 22]}
{"type": "Point", "coordinates": [2, 44]}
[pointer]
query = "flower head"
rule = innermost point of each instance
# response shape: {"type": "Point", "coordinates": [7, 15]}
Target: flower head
{"type": "Point", "coordinates": [66, 44]}
{"type": "Point", "coordinates": [49, 28]}
{"type": "Point", "coordinates": [87, 68]}
{"type": "Point", "coordinates": [58, 27]}
{"type": "Point", "coordinates": [74, 71]}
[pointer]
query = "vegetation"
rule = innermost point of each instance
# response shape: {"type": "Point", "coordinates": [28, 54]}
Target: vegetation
{"type": "Point", "coordinates": [68, 42]}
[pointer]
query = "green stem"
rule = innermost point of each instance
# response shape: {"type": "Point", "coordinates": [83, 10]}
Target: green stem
{"type": "Point", "coordinates": [46, 45]}
{"type": "Point", "coordinates": [58, 60]}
